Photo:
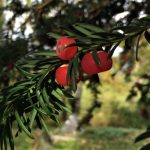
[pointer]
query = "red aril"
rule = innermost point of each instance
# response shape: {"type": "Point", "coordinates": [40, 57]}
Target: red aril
{"type": "Point", "coordinates": [89, 66]}
{"type": "Point", "coordinates": [63, 52]}
{"type": "Point", "coordinates": [61, 75]}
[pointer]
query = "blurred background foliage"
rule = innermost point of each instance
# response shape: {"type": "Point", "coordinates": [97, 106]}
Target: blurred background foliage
{"type": "Point", "coordinates": [24, 27]}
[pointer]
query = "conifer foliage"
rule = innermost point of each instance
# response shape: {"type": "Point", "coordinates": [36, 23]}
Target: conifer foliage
{"type": "Point", "coordinates": [46, 75]}
{"type": "Point", "coordinates": [40, 95]}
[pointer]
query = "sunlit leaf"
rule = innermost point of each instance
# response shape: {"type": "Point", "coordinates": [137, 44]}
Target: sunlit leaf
{"type": "Point", "coordinates": [54, 35]}
{"type": "Point", "coordinates": [22, 126]}
{"type": "Point", "coordinates": [111, 52]}
{"type": "Point", "coordinates": [82, 30]}
{"type": "Point", "coordinates": [50, 53]}
{"type": "Point", "coordinates": [91, 27]}
{"type": "Point", "coordinates": [34, 113]}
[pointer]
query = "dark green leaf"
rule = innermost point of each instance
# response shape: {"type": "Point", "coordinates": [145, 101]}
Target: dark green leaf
{"type": "Point", "coordinates": [5, 143]}
{"type": "Point", "coordinates": [59, 102]}
{"type": "Point", "coordinates": [131, 30]}
{"type": "Point", "coordinates": [38, 121]}
{"type": "Point", "coordinates": [147, 36]}
{"type": "Point", "coordinates": [24, 83]}
{"type": "Point", "coordinates": [54, 118]}
{"type": "Point", "coordinates": [56, 94]}
{"type": "Point", "coordinates": [43, 77]}
{"type": "Point", "coordinates": [15, 91]}
{"type": "Point", "coordinates": [43, 124]}
{"type": "Point", "coordinates": [147, 18]}
{"type": "Point", "coordinates": [1, 143]}
{"type": "Point", "coordinates": [76, 65]}
{"type": "Point", "coordinates": [10, 135]}
{"type": "Point", "coordinates": [42, 103]}
{"type": "Point", "coordinates": [68, 95]}
{"type": "Point", "coordinates": [73, 80]}
{"type": "Point", "coordinates": [57, 106]}
{"type": "Point", "coordinates": [137, 47]}
{"type": "Point", "coordinates": [25, 73]}
{"type": "Point", "coordinates": [69, 70]}
{"type": "Point", "coordinates": [21, 125]}
{"type": "Point", "coordinates": [41, 111]}
{"type": "Point", "coordinates": [46, 99]}
{"type": "Point", "coordinates": [96, 58]}
{"type": "Point", "coordinates": [110, 35]}
{"type": "Point", "coordinates": [129, 42]}
{"type": "Point", "coordinates": [143, 136]}
{"type": "Point", "coordinates": [146, 147]}
{"type": "Point", "coordinates": [70, 33]}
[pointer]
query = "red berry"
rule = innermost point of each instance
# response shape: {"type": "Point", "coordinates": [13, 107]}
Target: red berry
{"type": "Point", "coordinates": [61, 75]}
{"type": "Point", "coordinates": [89, 66]}
{"type": "Point", "coordinates": [65, 53]}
